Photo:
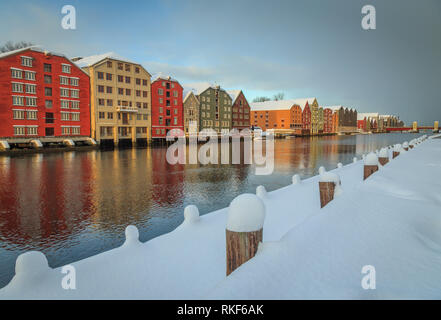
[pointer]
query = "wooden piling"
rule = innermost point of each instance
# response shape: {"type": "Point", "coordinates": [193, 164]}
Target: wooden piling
{"type": "Point", "coordinates": [383, 160]}
{"type": "Point", "coordinates": [368, 170]}
{"type": "Point", "coordinates": [326, 192]}
{"type": "Point", "coordinates": [395, 154]}
{"type": "Point", "coordinates": [241, 247]}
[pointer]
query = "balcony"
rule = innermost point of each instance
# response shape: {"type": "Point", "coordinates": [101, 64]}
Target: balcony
{"type": "Point", "coordinates": [126, 109]}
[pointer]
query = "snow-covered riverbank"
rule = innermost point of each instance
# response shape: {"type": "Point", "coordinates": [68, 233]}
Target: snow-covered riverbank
{"type": "Point", "coordinates": [391, 221]}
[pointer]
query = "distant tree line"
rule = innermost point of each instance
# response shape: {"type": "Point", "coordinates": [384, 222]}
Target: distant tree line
{"type": "Point", "coordinates": [11, 46]}
{"type": "Point", "coordinates": [276, 97]}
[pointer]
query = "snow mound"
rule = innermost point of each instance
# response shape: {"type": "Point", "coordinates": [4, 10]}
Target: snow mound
{"type": "Point", "coordinates": [261, 192]}
{"type": "Point", "coordinates": [296, 179]}
{"type": "Point", "coordinates": [406, 145]}
{"type": "Point", "coordinates": [384, 153]}
{"type": "Point", "coordinates": [354, 160]}
{"type": "Point", "coordinates": [191, 214]}
{"type": "Point", "coordinates": [371, 160]}
{"type": "Point", "coordinates": [397, 147]}
{"type": "Point", "coordinates": [132, 236]}
{"type": "Point", "coordinates": [246, 213]}
{"type": "Point", "coordinates": [339, 165]}
{"type": "Point", "coordinates": [322, 170]}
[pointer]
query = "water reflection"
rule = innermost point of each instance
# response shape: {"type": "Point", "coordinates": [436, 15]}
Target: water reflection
{"type": "Point", "coordinates": [76, 204]}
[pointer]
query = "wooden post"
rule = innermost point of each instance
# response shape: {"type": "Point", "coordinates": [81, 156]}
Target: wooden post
{"type": "Point", "coordinates": [383, 160]}
{"type": "Point", "coordinates": [395, 154]}
{"type": "Point", "coordinates": [326, 192]}
{"type": "Point", "coordinates": [241, 247]}
{"type": "Point", "coordinates": [244, 230]}
{"type": "Point", "coordinates": [368, 170]}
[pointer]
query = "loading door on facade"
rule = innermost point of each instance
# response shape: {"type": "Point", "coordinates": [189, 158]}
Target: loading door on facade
{"type": "Point", "coordinates": [125, 119]}
{"type": "Point", "coordinates": [49, 132]}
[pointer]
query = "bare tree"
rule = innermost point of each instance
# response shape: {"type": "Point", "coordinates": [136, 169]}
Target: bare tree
{"type": "Point", "coordinates": [279, 96]}
{"type": "Point", "coordinates": [261, 99]}
{"type": "Point", "coordinates": [10, 46]}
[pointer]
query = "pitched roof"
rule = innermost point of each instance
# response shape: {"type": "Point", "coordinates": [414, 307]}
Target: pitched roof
{"type": "Point", "coordinates": [187, 95]}
{"type": "Point", "coordinates": [234, 94]}
{"type": "Point", "coordinates": [361, 116]}
{"type": "Point", "coordinates": [197, 87]}
{"type": "Point", "coordinates": [92, 60]}
{"type": "Point", "coordinates": [163, 76]}
{"type": "Point", "coordinates": [280, 104]}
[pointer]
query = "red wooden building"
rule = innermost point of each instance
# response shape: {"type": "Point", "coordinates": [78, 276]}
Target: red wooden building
{"type": "Point", "coordinates": [167, 106]}
{"type": "Point", "coordinates": [306, 119]}
{"type": "Point", "coordinates": [241, 110]}
{"type": "Point", "coordinates": [327, 120]}
{"type": "Point", "coordinates": [42, 94]}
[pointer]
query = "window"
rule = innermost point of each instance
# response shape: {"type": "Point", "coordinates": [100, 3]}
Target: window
{"type": "Point", "coordinates": [18, 114]}
{"type": "Point", "coordinates": [175, 94]}
{"type": "Point", "coordinates": [175, 120]}
{"type": "Point", "coordinates": [120, 91]}
{"type": "Point", "coordinates": [161, 100]}
{"type": "Point", "coordinates": [145, 116]}
{"type": "Point", "coordinates": [160, 120]}
{"type": "Point", "coordinates": [49, 117]}
{"type": "Point", "coordinates": [15, 73]}
{"type": "Point", "coordinates": [75, 104]}
{"type": "Point", "coordinates": [127, 67]}
{"type": "Point", "coordinates": [65, 116]}
{"type": "Point", "coordinates": [138, 93]}
{"type": "Point", "coordinates": [138, 116]}
{"type": "Point", "coordinates": [100, 88]}
{"type": "Point", "coordinates": [101, 102]}
{"type": "Point", "coordinates": [65, 68]}
{"type": "Point", "coordinates": [31, 101]}
{"type": "Point", "coordinates": [100, 75]}
{"type": "Point", "coordinates": [176, 111]}
{"type": "Point", "coordinates": [75, 116]}
{"type": "Point", "coordinates": [128, 92]}
{"type": "Point", "coordinates": [120, 79]}
{"type": "Point", "coordinates": [19, 131]}
{"type": "Point", "coordinates": [29, 75]}
{"type": "Point", "coordinates": [65, 131]}
{"type": "Point", "coordinates": [17, 101]}
{"type": "Point", "coordinates": [74, 93]}
{"type": "Point", "coordinates": [127, 79]}
{"type": "Point", "coordinates": [109, 64]}
{"type": "Point", "coordinates": [74, 82]}
{"type": "Point", "coordinates": [101, 115]}
{"type": "Point", "coordinates": [48, 103]}
{"type": "Point", "coordinates": [137, 69]}
{"type": "Point", "coordinates": [120, 66]}
{"type": "Point", "coordinates": [17, 87]}
{"type": "Point", "coordinates": [144, 94]}
{"type": "Point", "coordinates": [26, 61]}
{"type": "Point", "coordinates": [144, 105]}
{"type": "Point", "coordinates": [160, 92]}
{"type": "Point", "coordinates": [144, 82]}
{"type": "Point", "coordinates": [47, 79]}
{"type": "Point", "coordinates": [47, 67]}
{"type": "Point", "coordinates": [31, 88]}
{"type": "Point", "coordinates": [63, 92]}
{"type": "Point", "coordinates": [138, 81]}
{"type": "Point", "coordinates": [175, 102]}
{"type": "Point", "coordinates": [109, 102]}
{"type": "Point", "coordinates": [48, 92]}
{"type": "Point", "coordinates": [32, 131]}
{"type": "Point", "coordinates": [75, 130]}
{"type": "Point", "coordinates": [109, 76]}
{"type": "Point", "coordinates": [64, 104]}
{"type": "Point", "coordinates": [109, 89]}
{"type": "Point", "coordinates": [64, 80]}
{"type": "Point", "coordinates": [109, 115]}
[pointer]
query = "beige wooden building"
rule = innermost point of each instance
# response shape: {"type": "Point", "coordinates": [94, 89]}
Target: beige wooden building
{"type": "Point", "coordinates": [120, 99]}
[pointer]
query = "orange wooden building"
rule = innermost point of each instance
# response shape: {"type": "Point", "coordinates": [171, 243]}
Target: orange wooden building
{"type": "Point", "coordinates": [282, 115]}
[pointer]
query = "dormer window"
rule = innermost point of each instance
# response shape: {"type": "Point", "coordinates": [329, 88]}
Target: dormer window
{"type": "Point", "coordinates": [65, 68]}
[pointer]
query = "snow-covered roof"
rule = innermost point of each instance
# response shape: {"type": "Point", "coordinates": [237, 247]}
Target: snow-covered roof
{"type": "Point", "coordinates": [234, 94]}
{"type": "Point", "coordinates": [36, 49]}
{"type": "Point", "coordinates": [163, 76]}
{"type": "Point", "coordinates": [187, 94]}
{"type": "Point", "coordinates": [197, 87]}
{"type": "Point", "coordinates": [92, 60]}
{"type": "Point", "coordinates": [280, 104]}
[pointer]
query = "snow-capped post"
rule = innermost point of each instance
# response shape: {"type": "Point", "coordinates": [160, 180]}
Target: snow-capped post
{"type": "Point", "coordinates": [354, 160]}
{"type": "Point", "coordinates": [406, 146]}
{"type": "Point", "coordinates": [30, 268]}
{"type": "Point", "coordinates": [396, 151]}
{"type": "Point", "coordinates": [383, 156]}
{"type": "Point", "coordinates": [339, 165]}
{"type": "Point", "coordinates": [132, 236]}
{"type": "Point", "coordinates": [191, 214]}
{"type": "Point", "coordinates": [261, 192]}
{"type": "Point", "coordinates": [296, 179]}
{"type": "Point", "coordinates": [370, 165]}
{"type": "Point", "coordinates": [411, 144]}
{"type": "Point", "coordinates": [329, 186]}
{"type": "Point", "coordinates": [244, 230]}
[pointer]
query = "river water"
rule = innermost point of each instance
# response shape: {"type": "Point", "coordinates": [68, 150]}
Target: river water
{"type": "Point", "coordinates": [73, 205]}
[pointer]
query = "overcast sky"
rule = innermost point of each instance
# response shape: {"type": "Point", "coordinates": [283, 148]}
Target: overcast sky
{"type": "Point", "coordinates": [303, 48]}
